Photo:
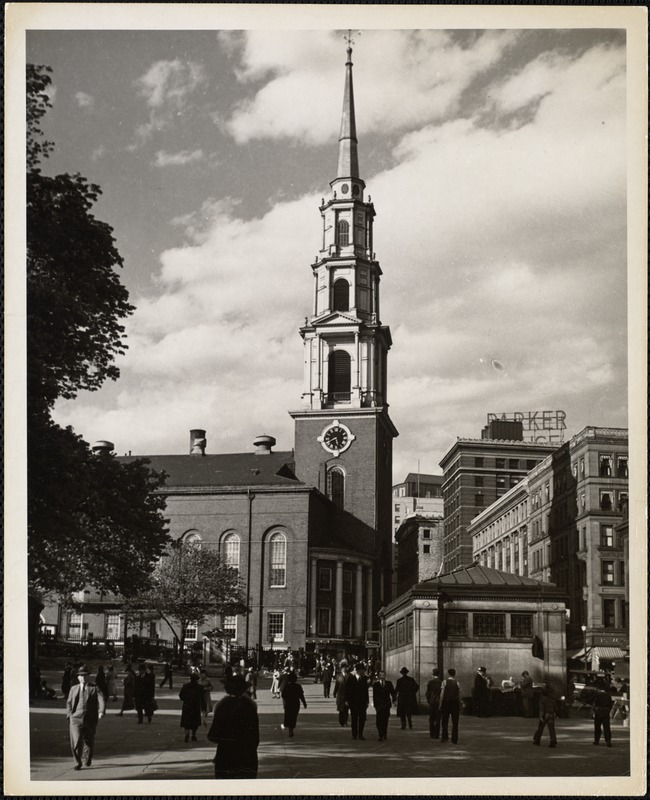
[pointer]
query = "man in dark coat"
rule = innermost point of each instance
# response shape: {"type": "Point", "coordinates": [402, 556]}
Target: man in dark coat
{"type": "Point", "coordinates": [168, 675]}
{"type": "Point", "coordinates": [143, 693]}
{"type": "Point", "coordinates": [481, 693]}
{"type": "Point", "coordinates": [547, 714]}
{"type": "Point", "coordinates": [191, 694]}
{"type": "Point", "coordinates": [357, 698]}
{"type": "Point", "coordinates": [407, 697]}
{"type": "Point", "coordinates": [383, 696]}
{"type": "Point", "coordinates": [450, 702]}
{"type": "Point", "coordinates": [601, 709]}
{"type": "Point", "coordinates": [327, 678]}
{"type": "Point", "coordinates": [339, 695]}
{"type": "Point", "coordinates": [433, 698]}
{"type": "Point", "coordinates": [235, 731]}
{"type": "Point", "coordinates": [85, 706]}
{"type": "Point", "coordinates": [527, 693]}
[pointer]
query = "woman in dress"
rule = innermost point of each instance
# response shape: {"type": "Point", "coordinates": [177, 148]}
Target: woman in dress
{"type": "Point", "coordinates": [275, 683]}
{"type": "Point", "coordinates": [128, 701]}
{"type": "Point", "coordinates": [111, 683]}
{"type": "Point", "coordinates": [292, 695]}
{"type": "Point", "coordinates": [207, 697]}
{"type": "Point", "coordinates": [192, 696]}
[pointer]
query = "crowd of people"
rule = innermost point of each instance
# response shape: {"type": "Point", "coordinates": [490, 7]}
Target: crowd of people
{"type": "Point", "coordinates": [235, 723]}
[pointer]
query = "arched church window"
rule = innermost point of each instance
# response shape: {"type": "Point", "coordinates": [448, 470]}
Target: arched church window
{"type": "Point", "coordinates": [341, 295]}
{"type": "Point", "coordinates": [343, 233]}
{"type": "Point", "coordinates": [192, 538]}
{"type": "Point", "coordinates": [336, 487]}
{"type": "Point", "coordinates": [340, 373]}
{"type": "Point", "coordinates": [278, 559]}
{"type": "Point", "coordinates": [230, 550]}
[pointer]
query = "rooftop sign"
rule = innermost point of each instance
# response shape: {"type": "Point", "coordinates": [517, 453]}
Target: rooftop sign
{"type": "Point", "coordinates": [538, 426]}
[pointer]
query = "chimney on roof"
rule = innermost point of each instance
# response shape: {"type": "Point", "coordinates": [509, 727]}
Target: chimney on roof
{"type": "Point", "coordinates": [263, 445]}
{"type": "Point", "coordinates": [197, 442]}
{"type": "Point", "coordinates": [102, 448]}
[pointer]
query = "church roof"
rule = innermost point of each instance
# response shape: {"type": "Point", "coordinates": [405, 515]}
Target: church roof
{"type": "Point", "coordinates": [230, 470]}
{"type": "Point", "coordinates": [478, 577]}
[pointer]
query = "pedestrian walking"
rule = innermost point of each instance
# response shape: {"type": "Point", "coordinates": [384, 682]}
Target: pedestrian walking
{"type": "Point", "coordinates": [191, 694]}
{"type": "Point", "coordinates": [434, 688]}
{"type": "Point", "coordinates": [143, 693]}
{"type": "Point", "coordinates": [292, 696]}
{"type": "Point", "coordinates": [357, 697]}
{"type": "Point", "coordinates": [111, 684]}
{"type": "Point", "coordinates": [168, 675]}
{"type": "Point", "coordinates": [128, 682]}
{"type": "Point", "coordinates": [339, 695]}
{"type": "Point", "coordinates": [235, 731]}
{"type": "Point", "coordinates": [328, 674]}
{"type": "Point", "coordinates": [275, 684]}
{"type": "Point", "coordinates": [85, 706]}
{"type": "Point", "coordinates": [66, 680]}
{"type": "Point", "coordinates": [383, 697]}
{"type": "Point", "coordinates": [601, 712]}
{"type": "Point", "coordinates": [481, 693]}
{"type": "Point", "coordinates": [450, 703]}
{"type": "Point", "coordinates": [206, 686]}
{"type": "Point", "coordinates": [100, 681]}
{"type": "Point", "coordinates": [318, 672]}
{"type": "Point", "coordinates": [546, 717]}
{"type": "Point", "coordinates": [251, 682]}
{"type": "Point", "coordinates": [407, 699]}
{"type": "Point", "coordinates": [527, 693]}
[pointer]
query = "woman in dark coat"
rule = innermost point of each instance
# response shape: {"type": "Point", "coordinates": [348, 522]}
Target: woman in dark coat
{"type": "Point", "coordinates": [192, 696]}
{"type": "Point", "coordinates": [407, 697]}
{"type": "Point", "coordinates": [128, 701]}
{"type": "Point", "coordinates": [100, 682]}
{"type": "Point", "coordinates": [235, 731]}
{"type": "Point", "coordinates": [292, 695]}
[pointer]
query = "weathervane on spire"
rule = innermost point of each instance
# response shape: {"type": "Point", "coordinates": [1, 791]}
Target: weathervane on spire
{"type": "Point", "coordinates": [348, 38]}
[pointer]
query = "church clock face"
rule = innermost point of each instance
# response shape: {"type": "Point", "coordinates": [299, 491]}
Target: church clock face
{"type": "Point", "coordinates": [336, 438]}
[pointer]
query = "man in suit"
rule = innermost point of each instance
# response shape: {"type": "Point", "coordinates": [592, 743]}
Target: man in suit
{"type": "Point", "coordinates": [357, 698]}
{"type": "Point", "coordinates": [433, 698]}
{"type": "Point", "coordinates": [450, 702]}
{"type": "Point", "coordinates": [339, 695]}
{"type": "Point", "coordinates": [383, 695]}
{"type": "Point", "coordinates": [85, 707]}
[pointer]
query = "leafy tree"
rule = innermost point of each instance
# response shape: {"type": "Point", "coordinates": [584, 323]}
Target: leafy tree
{"type": "Point", "coordinates": [189, 585]}
{"type": "Point", "coordinates": [91, 519]}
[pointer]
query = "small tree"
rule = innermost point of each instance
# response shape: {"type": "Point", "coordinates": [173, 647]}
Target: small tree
{"type": "Point", "coordinates": [189, 585]}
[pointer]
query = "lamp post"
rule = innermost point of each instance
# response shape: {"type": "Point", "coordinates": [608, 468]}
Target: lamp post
{"type": "Point", "coordinates": [584, 636]}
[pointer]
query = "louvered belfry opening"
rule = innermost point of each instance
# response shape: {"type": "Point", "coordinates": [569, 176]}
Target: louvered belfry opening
{"type": "Point", "coordinates": [343, 233]}
{"type": "Point", "coordinates": [341, 295]}
{"type": "Point", "coordinates": [339, 376]}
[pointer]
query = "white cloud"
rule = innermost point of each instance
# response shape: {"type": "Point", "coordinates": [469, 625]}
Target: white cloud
{"type": "Point", "coordinates": [84, 100]}
{"type": "Point", "coordinates": [98, 153]}
{"type": "Point", "coordinates": [164, 159]}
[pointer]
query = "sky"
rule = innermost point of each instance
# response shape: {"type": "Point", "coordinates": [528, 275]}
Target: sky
{"type": "Point", "coordinates": [496, 162]}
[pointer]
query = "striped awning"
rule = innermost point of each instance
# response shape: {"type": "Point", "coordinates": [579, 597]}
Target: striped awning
{"type": "Point", "coordinates": [609, 652]}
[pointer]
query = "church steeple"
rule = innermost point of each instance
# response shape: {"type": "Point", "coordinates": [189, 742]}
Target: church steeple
{"type": "Point", "coordinates": [348, 156]}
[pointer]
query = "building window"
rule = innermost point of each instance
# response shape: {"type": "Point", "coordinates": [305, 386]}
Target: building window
{"type": "Point", "coordinates": [479, 500]}
{"type": "Point", "coordinates": [192, 538]}
{"type": "Point", "coordinates": [606, 536]}
{"type": "Point", "coordinates": [339, 375]}
{"type": "Point", "coordinates": [113, 626]}
{"type": "Point", "coordinates": [347, 581]}
{"type": "Point", "coordinates": [582, 467]}
{"type": "Point", "coordinates": [325, 579]}
{"type": "Point", "coordinates": [513, 463]}
{"type": "Point", "coordinates": [500, 463]}
{"type": "Point", "coordinates": [623, 607]}
{"type": "Point", "coordinates": [622, 500]}
{"type": "Point", "coordinates": [426, 533]}
{"type": "Point", "coordinates": [191, 632]}
{"type": "Point", "coordinates": [401, 632]}
{"type": "Point", "coordinates": [278, 560]}
{"type": "Point", "coordinates": [230, 550]}
{"type": "Point", "coordinates": [397, 507]}
{"type": "Point", "coordinates": [336, 487]}
{"type": "Point", "coordinates": [390, 637]}
{"type": "Point", "coordinates": [478, 461]}
{"type": "Point", "coordinates": [501, 481]}
{"type": "Point", "coordinates": [229, 625]}
{"type": "Point", "coordinates": [343, 233]}
{"type": "Point", "coordinates": [478, 480]}
{"type": "Point", "coordinates": [153, 630]}
{"type": "Point", "coordinates": [531, 464]}
{"type": "Point", "coordinates": [514, 480]}
{"type": "Point", "coordinates": [605, 466]}
{"type": "Point", "coordinates": [607, 573]}
{"type": "Point", "coordinates": [621, 466]}
{"type": "Point", "coordinates": [547, 492]}
{"type": "Point", "coordinates": [457, 624]}
{"type": "Point", "coordinates": [489, 626]}
{"type": "Point", "coordinates": [323, 622]}
{"type": "Point", "coordinates": [621, 573]}
{"type": "Point", "coordinates": [341, 295]}
{"type": "Point", "coordinates": [521, 626]}
{"type": "Point", "coordinates": [276, 626]}
{"type": "Point", "coordinates": [76, 625]}
{"type": "Point", "coordinates": [426, 548]}
{"type": "Point", "coordinates": [583, 502]}
{"type": "Point", "coordinates": [409, 628]}
{"type": "Point", "coordinates": [402, 491]}
{"type": "Point", "coordinates": [609, 613]}
{"type": "Point", "coordinates": [347, 622]}
{"type": "Point", "coordinates": [605, 501]}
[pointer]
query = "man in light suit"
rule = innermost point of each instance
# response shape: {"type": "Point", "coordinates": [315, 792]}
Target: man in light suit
{"type": "Point", "coordinates": [85, 707]}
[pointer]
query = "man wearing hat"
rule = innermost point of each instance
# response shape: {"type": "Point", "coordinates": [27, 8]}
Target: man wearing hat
{"type": "Point", "coordinates": [407, 697]}
{"type": "Point", "coordinates": [235, 731]}
{"type": "Point", "coordinates": [357, 698]}
{"type": "Point", "coordinates": [85, 706]}
{"type": "Point", "coordinates": [481, 694]}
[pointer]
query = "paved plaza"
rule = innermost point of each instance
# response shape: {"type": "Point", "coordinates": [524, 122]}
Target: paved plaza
{"type": "Point", "coordinates": [490, 748]}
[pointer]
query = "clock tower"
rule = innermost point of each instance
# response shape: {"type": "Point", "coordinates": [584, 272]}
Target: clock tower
{"type": "Point", "coordinates": [344, 434]}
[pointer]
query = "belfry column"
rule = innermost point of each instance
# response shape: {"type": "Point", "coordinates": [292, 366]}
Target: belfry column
{"type": "Point", "coordinates": [369, 619]}
{"type": "Point", "coordinates": [338, 600]}
{"type": "Point", "coordinates": [358, 605]}
{"type": "Point", "coordinates": [312, 596]}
